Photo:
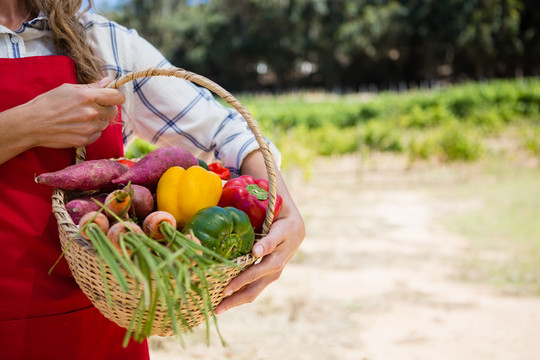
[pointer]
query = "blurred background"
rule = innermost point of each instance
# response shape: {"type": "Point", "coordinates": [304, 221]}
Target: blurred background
{"type": "Point", "coordinates": [410, 132]}
{"type": "Point", "coordinates": [338, 45]}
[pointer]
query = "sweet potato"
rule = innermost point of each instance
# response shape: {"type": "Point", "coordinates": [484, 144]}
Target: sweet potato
{"type": "Point", "coordinates": [77, 208]}
{"type": "Point", "coordinates": [88, 175]}
{"type": "Point", "coordinates": [149, 169]}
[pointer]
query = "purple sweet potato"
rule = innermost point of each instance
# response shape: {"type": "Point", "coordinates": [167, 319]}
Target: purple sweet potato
{"type": "Point", "coordinates": [77, 208]}
{"type": "Point", "coordinates": [149, 169]}
{"type": "Point", "coordinates": [88, 175]}
{"type": "Point", "coordinates": [142, 201]}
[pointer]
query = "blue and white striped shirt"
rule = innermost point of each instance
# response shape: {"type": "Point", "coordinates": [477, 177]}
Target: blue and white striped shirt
{"type": "Point", "coordinates": [165, 111]}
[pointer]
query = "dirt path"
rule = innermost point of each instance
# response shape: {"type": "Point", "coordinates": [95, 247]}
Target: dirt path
{"type": "Point", "coordinates": [377, 278]}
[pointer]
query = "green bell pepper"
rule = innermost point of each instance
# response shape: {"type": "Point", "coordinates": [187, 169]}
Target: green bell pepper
{"type": "Point", "coordinates": [138, 148]}
{"type": "Point", "coordinates": [226, 231]}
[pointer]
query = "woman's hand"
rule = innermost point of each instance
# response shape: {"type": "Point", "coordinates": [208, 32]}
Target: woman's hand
{"type": "Point", "coordinates": [277, 248]}
{"type": "Point", "coordinates": [67, 116]}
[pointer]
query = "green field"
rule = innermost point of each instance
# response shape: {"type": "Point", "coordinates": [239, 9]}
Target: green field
{"type": "Point", "coordinates": [492, 129]}
{"type": "Point", "coordinates": [455, 123]}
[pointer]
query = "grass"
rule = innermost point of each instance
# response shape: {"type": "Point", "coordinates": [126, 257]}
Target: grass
{"type": "Point", "coordinates": [473, 123]}
{"type": "Point", "coordinates": [503, 230]}
{"type": "Point", "coordinates": [446, 125]}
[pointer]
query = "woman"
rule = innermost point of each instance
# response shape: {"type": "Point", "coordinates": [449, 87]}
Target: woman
{"type": "Point", "coordinates": [54, 67]}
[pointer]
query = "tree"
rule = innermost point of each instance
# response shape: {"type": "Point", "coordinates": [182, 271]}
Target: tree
{"type": "Point", "coordinates": [340, 44]}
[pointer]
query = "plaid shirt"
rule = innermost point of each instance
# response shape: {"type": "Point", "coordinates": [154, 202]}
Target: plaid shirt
{"type": "Point", "coordinates": [164, 111]}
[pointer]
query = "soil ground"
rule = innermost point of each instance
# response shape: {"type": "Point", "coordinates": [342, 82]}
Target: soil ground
{"type": "Point", "coordinates": [377, 278]}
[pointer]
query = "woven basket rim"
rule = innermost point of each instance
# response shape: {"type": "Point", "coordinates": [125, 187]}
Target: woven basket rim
{"type": "Point", "coordinates": [231, 100]}
{"type": "Point", "coordinates": [80, 253]}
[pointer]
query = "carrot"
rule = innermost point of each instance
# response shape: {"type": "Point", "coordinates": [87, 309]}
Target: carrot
{"type": "Point", "coordinates": [88, 175]}
{"type": "Point", "coordinates": [120, 228]}
{"type": "Point", "coordinates": [93, 217]}
{"type": "Point", "coordinates": [118, 202]}
{"type": "Point", "coordinates": [149, 169]}
{"type": "Point", "coordinates": [152, 222]}
{"type": "Point", "coordinates": [193, 238]}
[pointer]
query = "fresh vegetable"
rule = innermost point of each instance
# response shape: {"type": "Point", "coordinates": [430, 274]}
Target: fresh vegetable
{"type": "Point", "coordinates": [170, 273]}
{"type": "Point", "coordinates": [149, 169]}
{"type": "Point", "coordinates": [87, 175]}
{"type": "Point", "coordinates": [127, 162]}
{"type": "Point", "coordinates": [93, 217]}
{"type": "Point", "coordinates": [138, 149]}
{"type": "Point", "coordinates": [219, 169]}
{"type": "Point", "coordinates": [251, 196]}
{"type": "Point", "coordinates": [226, 231]}
{"type": "Point", "coordinates": [196, 241]}
{"type": "Point", "coordinates": [203, 164]}
{"type": "Point", "coordinates": [152, 222]}
{"type": "Point", "coordinates": [183, 192]}
{"type": "Point", "coordinates": [118, 203]}
{"type": "Point", "coordinates": [77, 208]}
{"type": "Point", "coordinates": [121, 228]}
{"type": "Point", "coordinates": [142, 200]}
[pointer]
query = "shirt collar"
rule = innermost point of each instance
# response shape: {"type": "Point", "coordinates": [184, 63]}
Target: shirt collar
{"type": "Point", "coordinates": [41, 22]}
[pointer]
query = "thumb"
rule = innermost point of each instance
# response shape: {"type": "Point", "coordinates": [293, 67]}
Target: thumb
{"type": "Point", "coordinates": [268, 243]}
{"type": "Point", "coordinates": [101, 83]}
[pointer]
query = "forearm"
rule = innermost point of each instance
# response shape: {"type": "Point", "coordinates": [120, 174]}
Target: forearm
{"type": "Point", "coordinates": [254, 165]}
{"type": "Point", "coordinates": [64, 117]}
{"type": "Point", "coordinates": [277, 247]}
{"type": "Point", "coordinates": [14, 136]}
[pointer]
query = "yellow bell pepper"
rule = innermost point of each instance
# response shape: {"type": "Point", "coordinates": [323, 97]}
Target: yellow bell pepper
{"type": "Point", "coordinates": [183, 192]}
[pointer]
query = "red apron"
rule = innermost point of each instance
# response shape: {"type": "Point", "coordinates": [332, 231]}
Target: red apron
{"type": "Point", "coordinates": [46, 316]}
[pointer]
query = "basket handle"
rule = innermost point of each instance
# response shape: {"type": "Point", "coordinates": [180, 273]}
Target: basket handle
{"type": "Point", "coordinates": [231, 100]}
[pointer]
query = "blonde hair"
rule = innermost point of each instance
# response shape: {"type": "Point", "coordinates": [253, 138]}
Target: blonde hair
{"type": "Point", "coordinates": [68, 35]}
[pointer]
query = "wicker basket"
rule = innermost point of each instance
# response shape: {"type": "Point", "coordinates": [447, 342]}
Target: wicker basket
{"type": "Point", "coordinates": [85, 265]}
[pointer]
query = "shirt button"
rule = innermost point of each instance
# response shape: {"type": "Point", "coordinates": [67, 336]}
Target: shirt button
{"type": "Point", "coordinates": [14, 39]}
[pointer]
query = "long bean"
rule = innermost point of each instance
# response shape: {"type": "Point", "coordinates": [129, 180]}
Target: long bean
{"type": "Point", "coordinates": [172, 275]}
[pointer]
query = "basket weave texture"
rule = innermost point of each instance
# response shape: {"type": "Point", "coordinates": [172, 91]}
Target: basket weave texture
{"type": "Point", "coordinates": [86, 266]}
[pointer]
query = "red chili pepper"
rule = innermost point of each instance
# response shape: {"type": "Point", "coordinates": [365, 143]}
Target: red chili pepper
{"type": "Point", "coordinates": [251, 196]}
{"type": "Point", "coordinates": [223, 172]}
{"type": "Point", "coordinates": [126, 162]}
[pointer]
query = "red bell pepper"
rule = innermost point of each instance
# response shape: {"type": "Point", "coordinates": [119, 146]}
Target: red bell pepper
{"type": "Point", "coordinates": [251, 196]}
{"type": "Point", "coordinates": [219, 169]}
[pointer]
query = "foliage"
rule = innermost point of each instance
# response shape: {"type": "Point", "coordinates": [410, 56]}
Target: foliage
{"type": "Point", "coordinates": [339, 45]}
{"type": "Point", "coordinates": [458, 143]}
{"type": "Point", "coordinates": [449, 124]}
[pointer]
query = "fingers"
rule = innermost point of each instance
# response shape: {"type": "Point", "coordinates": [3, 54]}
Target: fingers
{"type": "Point", "coordinates": [93, 138]}
{"type": "Point", "coordinates": [106, 101]}
{"type": "Point", "coordinates": [101, 83]}
{"type": "Point", "coordinates": [270, 265]}
{"type": "Point", "coordinates": [267, 244]}
{"type": "Point", "coordinates": [272, 262]}
{"type": "Point", "coordinates": [109, 112]}
{"type": "Point", "coordinates": [277, 248]}
{"type": "Point", "coordinates": [103, 96]}
{"type": "Point", "coordinates": [108, 97]}
{"type": "Point", "coordinates": [247, 294]}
